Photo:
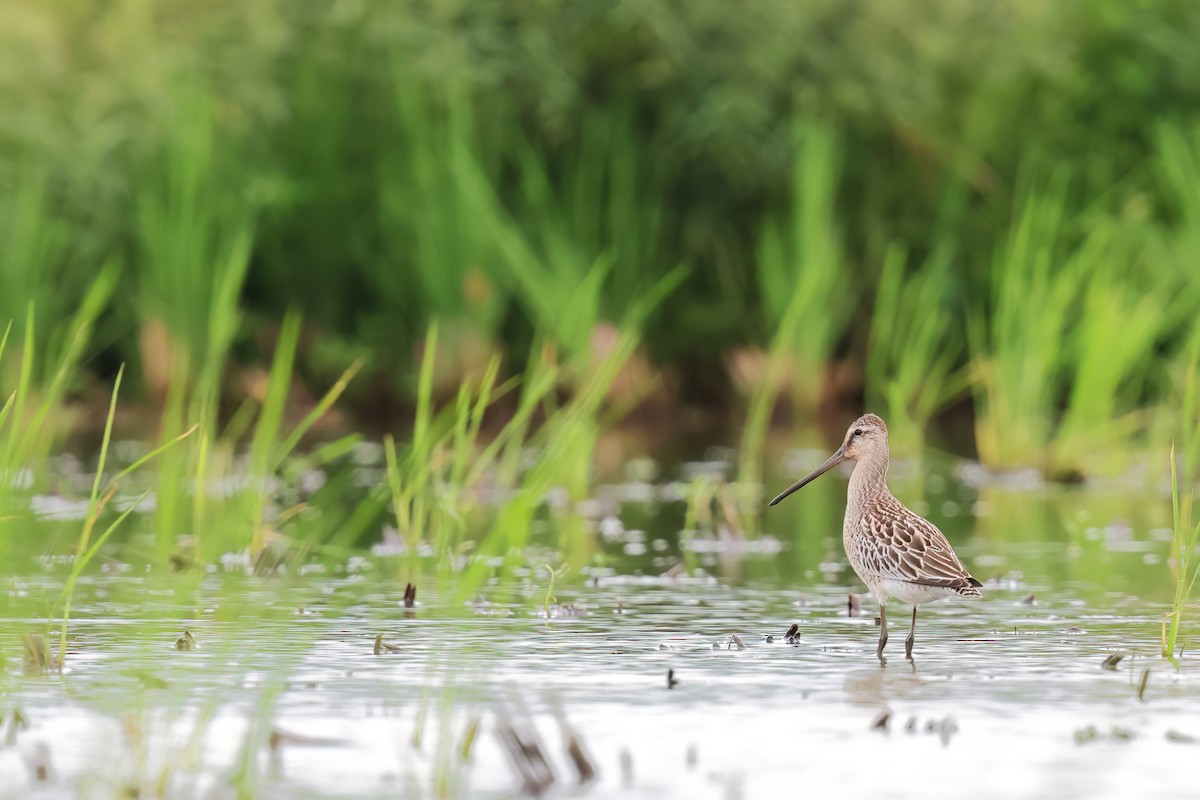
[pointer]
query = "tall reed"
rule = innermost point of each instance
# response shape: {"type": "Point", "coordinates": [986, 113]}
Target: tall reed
{"type": "Point", "coordinates": [1016, 342]}
{"type": "Point", "coordinates": [437, 261]}
{"type": "Point", "coordinates": [37, 419]}
{"type": "Point", "coordinates": [1186, 533]}
{"type": "Point", "coordinates": [914, 357]}
{"type": "Point", "coordinates": [1183, 546]}
{"type": "Point", "coordinates": [804, 288]}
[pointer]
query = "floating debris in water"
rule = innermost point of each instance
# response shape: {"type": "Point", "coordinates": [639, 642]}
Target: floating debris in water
{"type": "Point", "coordinates": [38, 658]}
{"type": "Point", "coordinates": [181, 561]}
{"type": "Point", "coordinates": [468, 742]}
{"type": "Point", "coordinates": [485, 608]}
{"type": "Point", "coordinates": [277, 555]}
{"type": "Point", "coordinates": [584, 767]}
{"type": "Point", "coordinates": [186, 641]}
{"type": "Point", "coordinates": [280, 737]}
{"type": "Point", "coordinates": [880, 723]}
{"type": "Point", "coordinates": [677, 571]}
{"type": "Point", "coordinates": [147, 678]}
{"type": "Point", "coordinates": [1180, 738]}
{"type": "Point", "coordinates": [521, 742]}
{"type": "Point", "coordinates": [410, 595]}
{"type": "Point", "coordinates": [1029, 600]}
{"type": "Point", "coordinates": [37, 761]}
{"type": "Point", "coordinates": [1112, 661]}
{"type": "Point", "coordinates": [911, 725]}
{"type": "Point", "coordinates": [735, 641]}
{"type": "Point", "coordinates": [671, 680]}
{"type": "Point", "coordinates": [576, 751]}
{"type": "Point", "coordinates": [944, 728]}
{"type": "Point", "coordinates": [1141, 694]}
{"type": "Point", "coordinates": [1073, 631]}
{"type": "Point", "coordinates": [1116, 734]}
{"type": "Point", "coordinates": [853, 606]}
{"type": "Point", "coordinates": [561, 611]}
{"type": "Point", "coordinates": [793, 634]}
{"type": "Point", "coordinates": [382, 647]}
{"type": "Point", "coordinates": [17, 722]}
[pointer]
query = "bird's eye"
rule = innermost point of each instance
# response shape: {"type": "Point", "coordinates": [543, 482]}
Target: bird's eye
{"type": "Point", "coordinates": [858, 431]}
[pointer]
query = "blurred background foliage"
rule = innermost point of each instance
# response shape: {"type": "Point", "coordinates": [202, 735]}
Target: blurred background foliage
{"type": "Point", "coordinates": [986, 208]}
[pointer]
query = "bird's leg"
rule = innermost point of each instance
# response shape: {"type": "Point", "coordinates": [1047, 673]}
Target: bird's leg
{"type": "Point", "coordinates": [882, 633]}
{"type": "Point", "coordinates": [912, 635]}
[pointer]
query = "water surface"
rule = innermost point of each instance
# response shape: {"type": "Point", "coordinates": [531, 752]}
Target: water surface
{"type": "Point", "coordinates": [285, 696]}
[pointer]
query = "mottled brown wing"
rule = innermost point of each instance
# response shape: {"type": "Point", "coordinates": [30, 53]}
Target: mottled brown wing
{"type": "Point", "coordinates": [898, 544]}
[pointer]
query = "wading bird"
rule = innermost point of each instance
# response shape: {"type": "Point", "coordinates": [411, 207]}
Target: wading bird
{"type": "Point", "coordinates": [892, 550]}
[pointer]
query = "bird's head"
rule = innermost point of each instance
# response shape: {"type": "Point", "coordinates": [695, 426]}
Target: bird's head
{"type": "Point", "coordinates": [866, 439]}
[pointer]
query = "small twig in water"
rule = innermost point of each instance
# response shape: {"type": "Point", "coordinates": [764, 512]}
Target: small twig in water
{"type": "Point", "coordinates": [671, 681]}
{"type": "Point", "coordinates": [1142, 685]}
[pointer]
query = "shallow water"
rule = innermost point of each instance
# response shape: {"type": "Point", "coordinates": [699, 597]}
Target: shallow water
{"type": "Point", "coordinates": [1007, 697]}
{"type": "Point", "coordinates": [1006, 687]}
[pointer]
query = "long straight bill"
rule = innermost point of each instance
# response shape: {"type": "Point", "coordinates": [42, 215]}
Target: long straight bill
{"type": "Point", "coordinates": [838, 457]}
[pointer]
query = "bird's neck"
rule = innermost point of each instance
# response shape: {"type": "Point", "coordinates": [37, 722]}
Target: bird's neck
{"type": "Point", "coordinates": [867, 481]}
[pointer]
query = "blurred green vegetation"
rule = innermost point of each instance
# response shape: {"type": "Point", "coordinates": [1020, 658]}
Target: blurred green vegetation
{"type": "Point", "coordinates": [916, 206]}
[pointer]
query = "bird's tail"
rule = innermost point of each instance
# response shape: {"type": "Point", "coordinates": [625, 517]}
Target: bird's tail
{"type": "Point", "coordinates": [969, 589]}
